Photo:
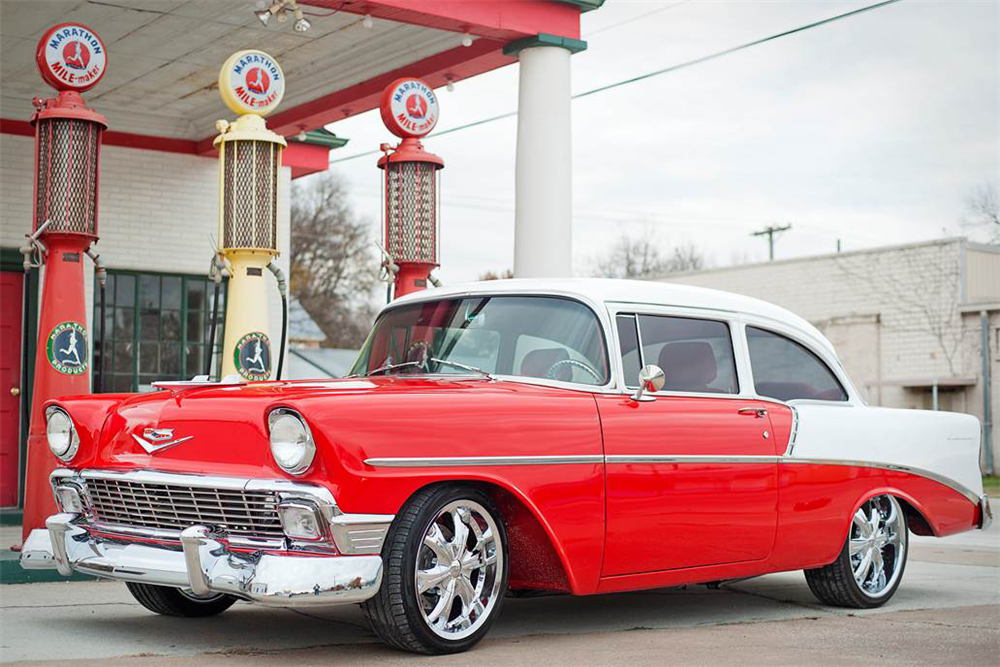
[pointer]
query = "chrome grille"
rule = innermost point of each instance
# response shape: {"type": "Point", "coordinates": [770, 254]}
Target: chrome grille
{"type": "Point", "coordinates": [175, 507]}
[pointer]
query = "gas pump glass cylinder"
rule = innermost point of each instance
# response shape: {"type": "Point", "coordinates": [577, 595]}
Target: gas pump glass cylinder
{"type": "Point", "coordinates": [412, 212]}
{"type": "Point", "coordinates": [250, 194]}
{"type": "Point", "coordinates": [66, 175]}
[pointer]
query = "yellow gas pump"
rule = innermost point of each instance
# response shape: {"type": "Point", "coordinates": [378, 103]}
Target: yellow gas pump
{"type": "Point", "coordinates": [251, 84]}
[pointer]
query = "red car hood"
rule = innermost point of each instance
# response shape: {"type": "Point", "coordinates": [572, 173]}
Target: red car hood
{"type": "Point", "coordinates": [221, 429]}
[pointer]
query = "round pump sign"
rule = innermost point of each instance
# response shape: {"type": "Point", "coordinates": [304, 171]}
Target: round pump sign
{"type": "Point", "coordinates": [70, 56]}
{"type": "Point", "coordinates": [409, 108]}
{"type": "Point", "coordinates": [251, 82]}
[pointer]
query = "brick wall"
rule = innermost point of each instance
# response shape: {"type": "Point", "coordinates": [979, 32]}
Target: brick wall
{"type": "Point", "coordinates": [158, 212]}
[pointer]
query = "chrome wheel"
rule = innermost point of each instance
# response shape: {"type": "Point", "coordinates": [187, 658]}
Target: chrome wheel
{"type": "Point", "coordinates": [459, 570]}
{"type": "Point", "coordinates": [877, 546]}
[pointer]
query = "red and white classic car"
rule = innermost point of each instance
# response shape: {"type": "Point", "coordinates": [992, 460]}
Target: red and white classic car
{"type": "Point", "coordinates": [578, 436]}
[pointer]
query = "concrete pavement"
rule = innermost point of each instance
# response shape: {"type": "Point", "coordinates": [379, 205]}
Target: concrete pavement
{"type": "Point", "coordinates": [946, 612]}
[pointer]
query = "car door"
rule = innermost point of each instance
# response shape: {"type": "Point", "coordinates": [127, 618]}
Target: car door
{"type": "Point", "coordinates": [691, 475]}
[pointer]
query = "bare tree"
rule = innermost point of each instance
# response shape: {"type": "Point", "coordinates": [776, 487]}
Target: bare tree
{"type": "Point", "coordinates": [686, 257]}
{"type": "Point", "coordinates": [920, 291]}
{"type": "Point", "coordinates": [645, 256]}
{"type": "Point", "coordinates": [982, 211]}
{"type": "Point", "coordinates": [492, 275]}
{"type": "Point", "coordinates": [333, 266]}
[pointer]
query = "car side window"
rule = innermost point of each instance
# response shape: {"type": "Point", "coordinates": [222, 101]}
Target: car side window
{"type": "Point", "coordinates": [696, 355]}
{"type": "Point", "coordinates": [786, 370]}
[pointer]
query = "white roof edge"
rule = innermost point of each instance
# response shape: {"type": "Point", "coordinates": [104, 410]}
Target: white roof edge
{"type": "Point", "coordinates": [606, 290]}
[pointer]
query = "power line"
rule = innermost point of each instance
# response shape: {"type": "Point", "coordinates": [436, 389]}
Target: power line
{"type": "Point", "coordinates": [734, 49]}
{"type": "Point", "coordinates": [630, 217]}
{"type": "Point", "coordinates": [665, 70]}
{"type": "Point", "coordinates": [636, 18]}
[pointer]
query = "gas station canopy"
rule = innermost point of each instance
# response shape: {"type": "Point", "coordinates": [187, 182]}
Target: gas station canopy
{"type": "Point", "coordinates": [160, 91]}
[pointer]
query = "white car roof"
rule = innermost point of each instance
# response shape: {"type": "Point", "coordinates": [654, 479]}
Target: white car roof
{"type": "Point", "coordinates": [607, 290]}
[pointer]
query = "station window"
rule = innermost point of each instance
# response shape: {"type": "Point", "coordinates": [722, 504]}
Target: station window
{"type": "Point", "coordinates": [156, 328]}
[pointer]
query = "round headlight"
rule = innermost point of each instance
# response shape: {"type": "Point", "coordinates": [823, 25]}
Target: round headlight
{"type": "Point", "coordinates": [291, 442]}
{"type": "Point", "coordinates": [61, 434]}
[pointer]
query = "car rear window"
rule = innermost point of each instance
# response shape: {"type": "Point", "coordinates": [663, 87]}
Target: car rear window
{"type": "Point", "coordinates": [786, 370]}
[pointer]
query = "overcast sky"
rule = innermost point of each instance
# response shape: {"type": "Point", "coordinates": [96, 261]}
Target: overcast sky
{"type": "Point", "coordinates": [871, 130]}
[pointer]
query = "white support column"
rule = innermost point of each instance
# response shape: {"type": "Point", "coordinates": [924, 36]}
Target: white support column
{"type": "Point", "coordinates": [543, 181]}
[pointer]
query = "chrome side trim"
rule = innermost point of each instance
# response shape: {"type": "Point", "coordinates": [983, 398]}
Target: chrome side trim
{"type": "Point", "coordinates": [895, 467]}
{"type": "Point", "coordinates": [795, 431]}
{"type": "Point", "coordinates": [466, 461]}
{"type": "Point", "coordinates": [469, 461]}
{"type": "Point", "coordinates": [656, 458]}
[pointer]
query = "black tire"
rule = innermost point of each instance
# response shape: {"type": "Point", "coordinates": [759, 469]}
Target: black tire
{"type": "Point", "coordinates": [393, 612]}
{"type": "Point", "coordinates": [835, 583]}
{"type": "Point", "coordinates": [173, 602]}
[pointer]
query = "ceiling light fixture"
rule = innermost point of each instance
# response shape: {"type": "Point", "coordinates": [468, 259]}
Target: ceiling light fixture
{"type": "Point", "coordinates": [367, 22]}
{"type": "Point", "coordinates": [279, 9]}
{"type": "Point", "coordinates": [264, 15]}
{"type": "Point", "coordinates": [466, 39]}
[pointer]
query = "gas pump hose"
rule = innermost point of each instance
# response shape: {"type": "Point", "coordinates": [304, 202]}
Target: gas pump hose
{"type": "Point", "coordinates": [102, 280]}
{"type": "Point", "coordinates": [215, 274]}
{"type": "Point", "coordinates": [279, 275]}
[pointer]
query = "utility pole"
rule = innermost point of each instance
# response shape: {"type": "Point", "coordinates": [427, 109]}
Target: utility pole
{"type": "Point", "coordinates": [770, 232]}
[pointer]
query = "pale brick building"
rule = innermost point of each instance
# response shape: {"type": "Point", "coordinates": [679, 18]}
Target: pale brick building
{"type": "Point", "coordinates": [904, 319]}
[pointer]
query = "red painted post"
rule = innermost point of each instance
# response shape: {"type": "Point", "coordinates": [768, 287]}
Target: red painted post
{"type": "Point", "coordinates": [70, 58]}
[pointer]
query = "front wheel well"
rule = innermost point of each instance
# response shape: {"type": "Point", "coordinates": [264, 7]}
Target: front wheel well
{"type": "Point", "coordinates": [534, 563]}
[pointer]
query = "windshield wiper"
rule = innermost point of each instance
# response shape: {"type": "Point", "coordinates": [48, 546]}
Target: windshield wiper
{"type": "Point", "coordinates": [392, 367]}
{"type": "Point", "coordinates": [405, 364]}
{"type": "Point", "coordinates": [464, 367]}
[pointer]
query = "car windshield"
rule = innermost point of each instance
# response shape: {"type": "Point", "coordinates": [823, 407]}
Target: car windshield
{"type": "Point", "coordinates": [528, 336]}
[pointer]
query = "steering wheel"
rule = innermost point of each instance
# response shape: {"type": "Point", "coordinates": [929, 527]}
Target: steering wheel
{"type": "Point", "coordinates": [550, 374]}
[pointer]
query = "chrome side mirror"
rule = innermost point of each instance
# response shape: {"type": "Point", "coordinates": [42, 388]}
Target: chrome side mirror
{"type": "Point", "coordinates": [651, 379]}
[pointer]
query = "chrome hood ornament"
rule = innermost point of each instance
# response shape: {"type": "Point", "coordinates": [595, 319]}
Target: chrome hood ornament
{"type": "Point", "coordinates": [155, 440]}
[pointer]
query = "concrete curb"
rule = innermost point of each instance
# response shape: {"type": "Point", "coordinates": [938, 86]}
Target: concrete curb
{"type": "Point", "coordinates": [11, 517]}
{"type": "Point", "coordinates": [11, 572]}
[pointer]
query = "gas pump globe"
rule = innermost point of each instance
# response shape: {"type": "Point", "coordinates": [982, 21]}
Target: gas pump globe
{"type": "Point", "coordinates": [412, 185]}
{"type": "Point", "coordinates": [71, 58]}
{"type": "Point", "coordinates": [252, 84]}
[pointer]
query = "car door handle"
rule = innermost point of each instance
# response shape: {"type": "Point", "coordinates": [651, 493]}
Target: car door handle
{"type": "Point", "coordinates": [756, 412]}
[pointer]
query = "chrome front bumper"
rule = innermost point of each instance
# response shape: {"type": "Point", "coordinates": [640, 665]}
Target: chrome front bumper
{"type": "Point", "coordinates": [204, 565]}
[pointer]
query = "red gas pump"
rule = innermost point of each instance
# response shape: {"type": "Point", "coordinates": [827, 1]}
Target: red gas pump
{"type": "Point", "coordinates": [412, 185]}
{"type": "Point", "coordinates": [71, 58]}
